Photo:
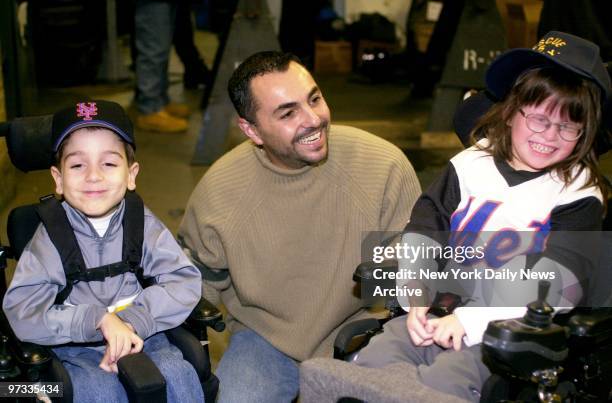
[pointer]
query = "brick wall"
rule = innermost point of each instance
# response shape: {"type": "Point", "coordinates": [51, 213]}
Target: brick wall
{"type": "Point", "coordinates": [7, 171]}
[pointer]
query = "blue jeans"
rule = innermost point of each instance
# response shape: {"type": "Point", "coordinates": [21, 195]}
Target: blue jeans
{"type": "Point", "coordinates": [92, 384]}
{"type": "Point", "coordinates": [154, 29]}
{"type": "Point", "coordinates": [252, 370]}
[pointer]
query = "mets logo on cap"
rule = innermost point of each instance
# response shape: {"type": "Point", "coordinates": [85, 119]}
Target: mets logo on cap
{"type": "Point", "coordinates": [86, 110]}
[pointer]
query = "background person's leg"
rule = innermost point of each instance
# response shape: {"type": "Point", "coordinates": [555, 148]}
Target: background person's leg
{"type": "Point", "coordinates": [196, 72]}
{"type": "Point", "coordinates": [153, 30]}
{"type": "Point", "coordinates": [252, 370]}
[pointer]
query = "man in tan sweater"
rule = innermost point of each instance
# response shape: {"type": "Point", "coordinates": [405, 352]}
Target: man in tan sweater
{"type": "Point", "coordinates": [276, 225]}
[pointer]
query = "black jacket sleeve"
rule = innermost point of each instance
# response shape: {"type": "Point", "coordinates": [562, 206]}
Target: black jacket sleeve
{"type": "Point", "coordinates": [433, 210]}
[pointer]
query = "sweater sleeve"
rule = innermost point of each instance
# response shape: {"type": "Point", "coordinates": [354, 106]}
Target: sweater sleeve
{"type": "Point", "coordinates": [29, 302]}
{"type": "Point", "coordinates": [202, 243]}
{"type": "Point", "coordinates": [401, 191]}
{"type": "Point", "coordinates": [177, 287]}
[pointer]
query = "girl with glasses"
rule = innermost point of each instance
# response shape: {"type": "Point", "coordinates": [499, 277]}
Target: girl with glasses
{"type": "Point", "coordinates": [529, 181]}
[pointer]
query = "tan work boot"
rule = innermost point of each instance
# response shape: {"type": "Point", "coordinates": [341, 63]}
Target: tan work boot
{"type": "Point", "coordinates": [178, 110]}
{"type": "Point", "coordinates": [161, 121]}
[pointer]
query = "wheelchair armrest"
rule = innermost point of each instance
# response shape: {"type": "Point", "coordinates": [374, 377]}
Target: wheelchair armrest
{"type": "Point", "coordinates": [198, 357]}
{"type": "Point", "coordinates": [141, 379]}
{"type": "Point", "coordinates": [593, 324]}
{"type": "Point", "coordinates": [205, 315]}
{"type": "Point", "coordinates": [355, 335]}
{"type": "Point", "coordinates": [191, 349]}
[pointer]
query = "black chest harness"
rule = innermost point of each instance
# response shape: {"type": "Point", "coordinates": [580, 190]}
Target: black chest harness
{"type": "Point", "coordinates": [55, 220]}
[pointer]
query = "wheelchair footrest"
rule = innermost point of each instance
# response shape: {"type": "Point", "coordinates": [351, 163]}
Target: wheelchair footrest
{"type": "Point", "coordinates": [141, 379]}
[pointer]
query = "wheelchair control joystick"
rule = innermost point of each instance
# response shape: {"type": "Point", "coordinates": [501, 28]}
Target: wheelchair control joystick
{"type": "Point", "coordinates": [539, 312]}
{"type": "Point", "coordinates": [531, 348]}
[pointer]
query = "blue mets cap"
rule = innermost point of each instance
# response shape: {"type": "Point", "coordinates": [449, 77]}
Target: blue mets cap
{"type": "Point", "coordinates": [107, 114]}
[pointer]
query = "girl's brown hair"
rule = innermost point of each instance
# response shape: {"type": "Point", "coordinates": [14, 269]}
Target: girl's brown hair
{"type": "Point", "coordinates": [577, 98]}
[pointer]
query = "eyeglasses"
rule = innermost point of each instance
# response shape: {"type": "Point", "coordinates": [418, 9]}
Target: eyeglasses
{"type": "Point", "coordinates": [540, 123]}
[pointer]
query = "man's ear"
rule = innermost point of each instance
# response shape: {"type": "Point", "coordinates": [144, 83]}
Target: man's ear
{"type": "Point", "coordinates": [250, 130]}
{"type": "Point", "coordinates": [57, 177]}
{"type": "Point", "coordinates": [132, 173]}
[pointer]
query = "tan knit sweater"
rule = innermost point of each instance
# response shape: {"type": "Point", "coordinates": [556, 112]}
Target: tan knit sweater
{"type": "Point", "coordinates": [291, 238]}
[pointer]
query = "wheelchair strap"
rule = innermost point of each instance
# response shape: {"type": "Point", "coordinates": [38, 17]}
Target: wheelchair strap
{"type": "Point", "coordinates": [53, 217]}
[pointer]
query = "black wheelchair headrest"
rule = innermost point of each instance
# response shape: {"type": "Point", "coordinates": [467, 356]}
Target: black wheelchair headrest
{"type": "Point", "coordinates": [28, 141]}
{"type": "Point", "coordinates": [468, 112]}
{"type": "Point", "coordinates": [21, 225]}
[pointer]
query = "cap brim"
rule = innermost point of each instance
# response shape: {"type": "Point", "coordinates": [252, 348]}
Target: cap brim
{"type": "Point", "coordinates": [503, 71]}
{"type": "Point", "coordinates": [91, 123]}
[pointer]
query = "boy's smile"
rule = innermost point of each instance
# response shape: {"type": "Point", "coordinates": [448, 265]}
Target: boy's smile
{"type": "Point", "coordinates": [94, 173]}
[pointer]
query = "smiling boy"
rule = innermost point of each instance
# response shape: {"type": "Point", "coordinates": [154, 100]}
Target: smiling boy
{"type": "Point", "coordinates": [103, 303]}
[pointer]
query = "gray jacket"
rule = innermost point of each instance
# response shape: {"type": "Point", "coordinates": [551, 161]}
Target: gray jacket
{"type": "Point", "coordinates": [39, 277]}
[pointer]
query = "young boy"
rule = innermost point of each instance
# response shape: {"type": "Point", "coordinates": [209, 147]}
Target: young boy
{"type": "Point", "coordinates": [94, 170]}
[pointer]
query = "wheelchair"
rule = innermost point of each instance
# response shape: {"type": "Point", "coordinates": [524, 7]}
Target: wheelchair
{"type": "Point", "coordinates": [543, 357]}
{"type": "Point", "coordinates": [29, 147]}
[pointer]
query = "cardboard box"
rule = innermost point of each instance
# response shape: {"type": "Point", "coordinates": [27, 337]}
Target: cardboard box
{"type": "Point", "coordinates": [333, 57]}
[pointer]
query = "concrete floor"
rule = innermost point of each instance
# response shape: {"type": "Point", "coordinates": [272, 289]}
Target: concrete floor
{"type": "Point", "coordinates": [167, 178]}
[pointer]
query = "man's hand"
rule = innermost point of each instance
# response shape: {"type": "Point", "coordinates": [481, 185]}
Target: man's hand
{"type": "Point", "coordinates": [447, 331]}
{"type": "Point", "coordinates": [417, 319]}
{"type": "Point", "coordinates": [120, 338]}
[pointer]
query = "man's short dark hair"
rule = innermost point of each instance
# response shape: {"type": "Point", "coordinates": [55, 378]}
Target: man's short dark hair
{"type": "Point", "coordinates": [258, 64]}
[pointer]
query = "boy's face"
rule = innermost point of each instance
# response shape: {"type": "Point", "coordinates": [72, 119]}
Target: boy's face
{"type": "Point", "coordinates": [93, 173]}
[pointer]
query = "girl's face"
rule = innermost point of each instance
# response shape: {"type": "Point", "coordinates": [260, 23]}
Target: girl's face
{"type": "Point", "coordinates": [532, 151]}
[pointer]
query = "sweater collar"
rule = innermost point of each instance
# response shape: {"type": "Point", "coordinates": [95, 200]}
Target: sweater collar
{"type": "Point", "coordinates": [262, 157]}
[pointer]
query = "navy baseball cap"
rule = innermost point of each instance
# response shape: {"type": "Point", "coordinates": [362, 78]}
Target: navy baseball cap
{"type": "Point", "coordinates": [554, 49]}
{"type": "Point", "coordinates": [107, 114]}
